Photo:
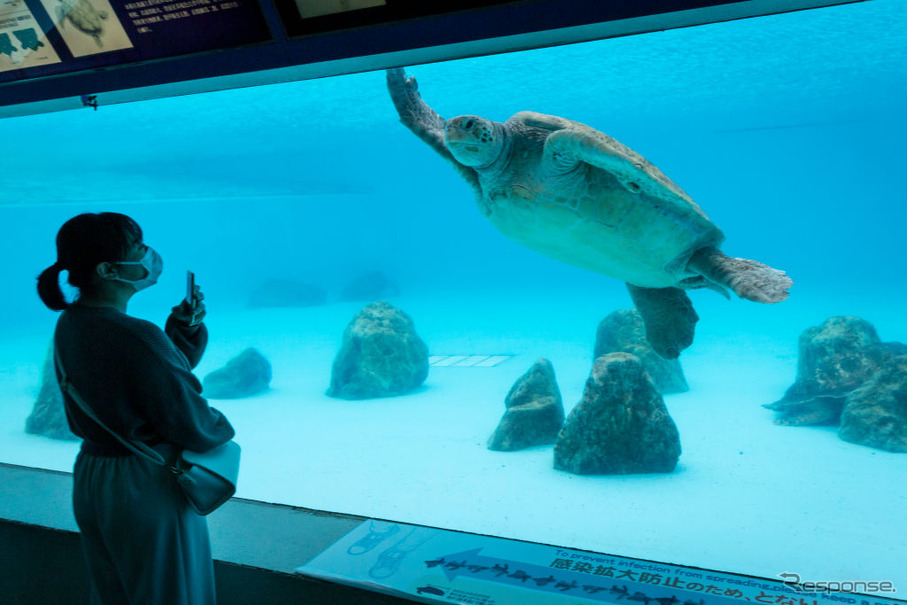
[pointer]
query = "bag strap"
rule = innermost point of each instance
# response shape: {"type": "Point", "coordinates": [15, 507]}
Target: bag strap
{"type": "Point", "coordinates": [136, 447]}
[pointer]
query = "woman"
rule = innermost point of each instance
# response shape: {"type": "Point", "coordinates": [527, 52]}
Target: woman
{"type": "Point", "coordinates": [142, 542]}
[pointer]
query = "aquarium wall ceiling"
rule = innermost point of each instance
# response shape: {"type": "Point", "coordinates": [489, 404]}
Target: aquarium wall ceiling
{"type": "Point", "coordinates": [90, 53]}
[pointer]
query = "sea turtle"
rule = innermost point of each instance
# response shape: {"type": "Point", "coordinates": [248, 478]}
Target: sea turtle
{"type": "Point", "coordinates": [83, 17]}
{"type": "Point", "coordinates": [575, 194]}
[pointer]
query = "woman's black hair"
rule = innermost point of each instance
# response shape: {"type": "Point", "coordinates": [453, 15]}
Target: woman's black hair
{"type": "Point", "coordinates": [82, 242]}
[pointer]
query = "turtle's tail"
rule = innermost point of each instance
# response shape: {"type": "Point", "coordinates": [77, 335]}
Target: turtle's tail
{"type": "Point", "coordinates": [692, 283]}
{"type": "Point", "coordinates": [749, 279]}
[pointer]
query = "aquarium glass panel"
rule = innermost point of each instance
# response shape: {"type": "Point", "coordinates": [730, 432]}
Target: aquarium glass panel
{"type": "Point", "coordinates": [776, 139]}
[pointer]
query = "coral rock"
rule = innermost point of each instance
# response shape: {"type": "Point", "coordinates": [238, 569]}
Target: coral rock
{"type": "Point", "coordinates": [247, 374]}
{"type": "Point", "coordinates": [48, 417]}
{"type": "Point", "coordinates": [835, 358]}
{"type": "Point", "coordinates": [535, 411]}
{"type": "Point", "coordinates": [876, 413]}
{"type": "Point", "coordinates": [621, 424]}
{"type": "Point", "coordinates": [381, 355]}
{"type": "Point", "coordinates": [623, 331]}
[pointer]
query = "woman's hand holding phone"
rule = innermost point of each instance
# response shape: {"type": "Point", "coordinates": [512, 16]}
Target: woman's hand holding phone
{"type": "Point", "coordinates": [191, 311]}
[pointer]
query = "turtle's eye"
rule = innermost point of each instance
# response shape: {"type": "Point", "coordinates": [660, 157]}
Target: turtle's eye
{"type": "Point", "coordinates": [469, 123]}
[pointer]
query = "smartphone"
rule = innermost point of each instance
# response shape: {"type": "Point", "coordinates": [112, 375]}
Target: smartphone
{"type": "Point", "coordinates": [190, 288]}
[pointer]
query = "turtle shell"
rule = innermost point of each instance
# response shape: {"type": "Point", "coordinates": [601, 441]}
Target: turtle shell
{"type": "Point", "coordinates": [638, 227]}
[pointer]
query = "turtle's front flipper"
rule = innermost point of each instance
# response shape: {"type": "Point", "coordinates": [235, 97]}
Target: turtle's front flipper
{"type": "Point", "coordinates": [421, 119]}
{"type": "Point", "coordinates": [415, 113]}
{"type": "Point", "coordinates": [750, 279]}
{"type": "Point", "coordinates": [584, 144]}
{"type": "Point", "coordinates": [669, 318]}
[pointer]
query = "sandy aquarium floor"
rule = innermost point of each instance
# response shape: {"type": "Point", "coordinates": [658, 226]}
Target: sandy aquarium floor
{"type": "Point", "coordinates": [747, 496]}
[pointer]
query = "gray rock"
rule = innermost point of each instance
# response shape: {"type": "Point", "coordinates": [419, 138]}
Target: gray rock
{"type": "Point", "coordinates": [835, 358]}
{"type": "Point", "coordinates": [247, 374]}
{"type": "Point", "coordinates": [381, 355]}
{"type": "Point", "coordinates": [287, 293]}
{"type": "Point", "coordinates": [535, 411]}
{"type": "Point", "coordinates": [48, 416]}
{"type": "Point", "coordinates": [876, 413]}
{"type": "Point", "coordinates": [370, 286]}
{"type": "Point", "coordinates": [623, 331]}
{"type": "Point", "coordinates": [620, 426]}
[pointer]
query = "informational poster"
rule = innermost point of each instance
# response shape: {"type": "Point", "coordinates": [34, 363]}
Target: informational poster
{"type": "Point", "coordinates": [440, 566]}
{"type": "Point", "coordinates": [22, 41]}
{"type": "Point", "coordinates": [316, 8]}
{"type": "Point", "coordinates": [87, 26]}
{"type": "Point", "coordinates": [93, 34]}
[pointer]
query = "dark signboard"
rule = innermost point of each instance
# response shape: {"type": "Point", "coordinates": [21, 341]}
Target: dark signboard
{"type": "Point", "coordinates": [60, 54]}
{"type": "Point", "coordinates": [307, 17]}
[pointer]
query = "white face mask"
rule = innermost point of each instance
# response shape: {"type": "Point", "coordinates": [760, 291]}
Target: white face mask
{"type": "Point", "coordinates": [153, 264]}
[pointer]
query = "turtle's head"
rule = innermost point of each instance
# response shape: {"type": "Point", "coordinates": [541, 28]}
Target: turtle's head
{"type": "Point", "coordinates": [473, 141]}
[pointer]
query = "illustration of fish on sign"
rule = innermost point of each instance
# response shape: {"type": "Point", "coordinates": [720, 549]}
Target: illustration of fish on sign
{"type": "Point", "coordinates": [429, 589]}
{"type": "Point", "coordinates": [520, 575]}
{"type": "Point", "coordinates": [593, 589]}
{"type": "Point", "coordinates": [83, 16]}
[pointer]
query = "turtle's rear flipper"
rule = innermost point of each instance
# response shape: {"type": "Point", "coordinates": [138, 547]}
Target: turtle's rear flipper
{"type": "Point", "coordinates": [669, 318]}
{"type": "Point", "coordinates": [750, 279]}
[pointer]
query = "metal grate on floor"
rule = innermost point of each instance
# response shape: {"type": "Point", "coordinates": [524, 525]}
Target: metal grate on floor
{"type": "Point", "coordinates": [466, 361]}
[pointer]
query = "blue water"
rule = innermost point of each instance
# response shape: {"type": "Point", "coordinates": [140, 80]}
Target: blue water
{"type": "Point", "coordinates": [788, 130]}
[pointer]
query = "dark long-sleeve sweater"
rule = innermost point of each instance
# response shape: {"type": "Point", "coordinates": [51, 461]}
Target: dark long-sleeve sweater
{"type": "Point", "coordinates": [137, 379]}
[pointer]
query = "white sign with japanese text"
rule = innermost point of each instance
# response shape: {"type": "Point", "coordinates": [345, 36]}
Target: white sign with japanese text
{"type": "Point", "coordinates": [440, 566]}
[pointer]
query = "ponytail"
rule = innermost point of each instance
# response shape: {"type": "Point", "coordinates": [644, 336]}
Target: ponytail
{"type": "Point", "coordinates": [49, 288]}
{"type": "Point", "coordinates": [82, 242]}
